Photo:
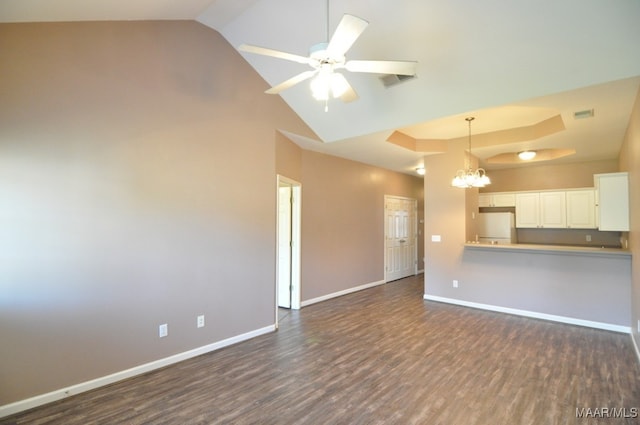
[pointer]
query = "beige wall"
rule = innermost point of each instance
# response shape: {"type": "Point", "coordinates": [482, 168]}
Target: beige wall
{"type": "Point", "coordinates": [542, 177]}
{"type": "Point", "coordinates": [445, 215]}
{"type": "Point", "coordinates": [137, 162]}
{"type": "Point", "coordinates": [342, 218]}
{"type": "Point", "coordinates": [288, 158]}
{"type": "Point", "coordinates": [630, 161]}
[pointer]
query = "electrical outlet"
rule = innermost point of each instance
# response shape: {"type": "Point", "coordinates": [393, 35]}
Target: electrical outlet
{"type": "Point", "coordinates": [200, 321]}
{"type": "Point", "coordinates": [455, 283]}
{"type": "Point", "coordinates": [638, 326]}
{"type": "Point", "coordinates": [588, 238]}
{"type": "Point", "coordinates": [163, 330]}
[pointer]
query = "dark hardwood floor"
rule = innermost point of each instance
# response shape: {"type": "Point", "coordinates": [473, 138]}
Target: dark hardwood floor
{"type": "Point", "coordinates": [381, 356]}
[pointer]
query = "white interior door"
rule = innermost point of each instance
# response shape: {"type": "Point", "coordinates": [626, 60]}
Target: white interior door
{"type": "Point", "coordinates": [289, 203]}
{"type": "Point", "coordinates": [284, 245]}
{"type": "Point", "coordinates": [400, 237]}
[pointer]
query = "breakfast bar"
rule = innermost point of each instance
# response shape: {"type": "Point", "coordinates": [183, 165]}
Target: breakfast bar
{"type": "Point", "coordinates": [554, 249]}
{"type": "Point", "coordinates": [587, 286]}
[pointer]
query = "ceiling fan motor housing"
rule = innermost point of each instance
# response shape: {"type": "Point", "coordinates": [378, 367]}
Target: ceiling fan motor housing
{"type": "Point", "coordinates": [318, 52]}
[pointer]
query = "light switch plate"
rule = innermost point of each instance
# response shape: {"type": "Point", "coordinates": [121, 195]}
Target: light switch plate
{"type": "Point", "coordinates": [435, 238]}
{"type": "Point", "coordinates": [163, 330]}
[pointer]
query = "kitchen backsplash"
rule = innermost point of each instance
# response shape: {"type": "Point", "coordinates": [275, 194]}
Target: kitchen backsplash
{"type": "Point", "coordinates": [573, 237]}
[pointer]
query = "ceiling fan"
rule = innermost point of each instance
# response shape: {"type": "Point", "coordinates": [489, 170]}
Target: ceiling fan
{"type": "Point", "coordinates": [327, 58]}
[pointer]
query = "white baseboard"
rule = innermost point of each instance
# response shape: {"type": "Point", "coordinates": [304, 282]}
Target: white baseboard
{"type": "Point", "coordinates": [30, 403]}
{"type": "Point", "coordinates": [532, 314]}
{"type": "Point", "coordinates": [341, 293]}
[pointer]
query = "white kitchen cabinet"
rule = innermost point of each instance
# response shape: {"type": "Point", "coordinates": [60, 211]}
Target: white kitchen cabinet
{"type": "Point", "coordinates": [485, 199]}
{"type": "Point", "coordinates": [553, 211]}
{"type": "Point", "coordinates": [612, 201]}
{"type": "Point", "coordinates": [497, 199]}
{"type": "Point", "coordinates": [527, 210]}
{"type": "Point", "coordinates": [549, 209]}
{"type": "Point", "coordinates": [541, 210]}
{"type": "Point", "coordinates": [581, 209]}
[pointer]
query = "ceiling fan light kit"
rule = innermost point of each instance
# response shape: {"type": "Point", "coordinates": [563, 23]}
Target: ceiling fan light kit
{"type": "Point", "coordinates": [328, 83]}
{"type": "Point", "coordinates": [467, 177]}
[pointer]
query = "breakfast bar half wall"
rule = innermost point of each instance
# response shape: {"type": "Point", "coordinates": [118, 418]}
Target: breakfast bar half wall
{"type": "Point", "coordinates": [587, 287]}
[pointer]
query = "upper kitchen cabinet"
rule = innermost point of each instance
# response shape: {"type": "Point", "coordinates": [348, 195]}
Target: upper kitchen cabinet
{"type": "Point", "coordinates": [540, 210]}
{"type": "Point", "coordinates": [497, 199]}
{"type": "Point", "coordinates": [527, 210]}
{"type": "Point", "coordinates": [553, 210]}
{"type": "Point", "coordinates": [612, 201]}
{"type": "Point", "coordinates": [567, 209]}
{"type": "Point", "coordinates": [581, 209]}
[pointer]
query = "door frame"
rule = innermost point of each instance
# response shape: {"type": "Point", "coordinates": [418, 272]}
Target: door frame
{"type": "Point", "coordinates": [384, 233]}
{"type": "Point", "coordinates": [296, 212]}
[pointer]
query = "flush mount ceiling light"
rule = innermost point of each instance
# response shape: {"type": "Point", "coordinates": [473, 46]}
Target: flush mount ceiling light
{"type": "Point", "coordinates": [420, 170]}
{"type": "Point", "coordinates": [467, 177]}
{"type": "Point", "coordinates": [527, 155]}
{"type": "Point", "coordinates": [541, 155]}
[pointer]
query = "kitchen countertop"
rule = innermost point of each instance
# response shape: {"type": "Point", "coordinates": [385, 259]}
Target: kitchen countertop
{"type": "Point", "coordinates": [555, 249]}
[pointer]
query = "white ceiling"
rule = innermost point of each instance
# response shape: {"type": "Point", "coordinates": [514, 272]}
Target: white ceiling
{"type": "Point", "coordinates": [508, 63]}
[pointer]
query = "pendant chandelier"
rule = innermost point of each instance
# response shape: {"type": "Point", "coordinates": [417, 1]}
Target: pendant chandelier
{"type": "Point", "coordinates": [468, 177]}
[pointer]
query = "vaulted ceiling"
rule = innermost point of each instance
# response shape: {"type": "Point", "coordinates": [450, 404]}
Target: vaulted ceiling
{"type": "Point", "coordinates": [510, 64]}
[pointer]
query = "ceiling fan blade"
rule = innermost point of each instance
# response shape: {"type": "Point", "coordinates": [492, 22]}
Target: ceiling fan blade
{"type": "Point", "coordinates": [291, 82]}
{"type": "Point", "coordinates": [383, 67]}
{"type": "Point", "coordinates": [340, 87]}
{"type": "Point", "coordinates": [273, 53]}
{"type": "Point", "coordinates": [347, 32]}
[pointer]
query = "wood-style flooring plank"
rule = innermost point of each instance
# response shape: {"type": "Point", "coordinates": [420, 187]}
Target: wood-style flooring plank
{"type": "Point", "coordinates": [379, 356]}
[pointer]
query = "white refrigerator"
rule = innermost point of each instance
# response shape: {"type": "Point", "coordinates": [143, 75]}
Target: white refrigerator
{"type": "Point", "coordinates": [496, 228]}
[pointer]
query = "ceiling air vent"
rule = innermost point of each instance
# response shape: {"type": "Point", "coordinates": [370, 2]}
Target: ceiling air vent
{"type": "Point", "coordinates": [391, 80]}
{"type": "Point", "coordinates": [587, 113]}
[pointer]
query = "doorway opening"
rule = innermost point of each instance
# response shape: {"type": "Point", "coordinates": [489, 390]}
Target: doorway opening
{"type": "Point", "coordinates": [288, 245]}
{"type": "Point", "coordinates": [400, 237]}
